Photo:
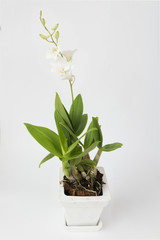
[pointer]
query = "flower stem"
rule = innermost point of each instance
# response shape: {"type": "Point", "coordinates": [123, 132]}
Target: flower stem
{"type": "Point", "coordinates": [71, 90]}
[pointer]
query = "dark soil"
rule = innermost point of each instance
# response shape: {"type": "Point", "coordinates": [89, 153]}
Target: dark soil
{"type": "Point", "coordinates": [84, 187]}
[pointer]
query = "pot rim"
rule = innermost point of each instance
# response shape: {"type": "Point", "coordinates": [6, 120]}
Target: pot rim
{"type": "Point", "coordinates": [103, 198]}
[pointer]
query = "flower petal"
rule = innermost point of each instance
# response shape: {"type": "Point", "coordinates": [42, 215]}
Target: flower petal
{"type": "Point", "coordinates": [69, 54]}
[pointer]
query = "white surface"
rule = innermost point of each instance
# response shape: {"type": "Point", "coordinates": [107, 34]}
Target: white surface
{"type": "Point", "coordinates": [84, 211]}
{"type": "Point", "coordinates": [116, 68]}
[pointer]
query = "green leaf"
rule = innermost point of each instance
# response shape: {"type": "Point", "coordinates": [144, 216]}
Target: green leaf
{"type": "Point", "coordinates": [75, 162]}
{"type": "Point", "coordinates": [49, 156]}
{"type": "Point", "coordinates": [63, 139]}
{"type": "Point", "coordinates": [111, 147]}
{"type": "Point", "coordinates": [59, 120]}
{"type": "Point", "coordinates": [80, 168]}
{"type": "Point", "coordinates": [46, 138]}
{"type": "Point", "coordinates": [71, 147]}
{"type": "Point", "coordinates": [94, 136]}
{"type": "Point", "coordinates": [62, 111]}
{"type": "Point", "coordinates": [87, 150]}
{"type": "Point", "coordinates": [82, 124]}
{"type": "Point", "coordinates": [88, 162]}
{"type": "Point", "coordinates": [68, 129]}
{"type": "Point", "coordinates": [89, 139]}
{"type": "Point", "coordinates": [76, 112]}
{"type": "Point", "coordinates": [77, 150]}
{"type": "Point", "coordinates": [97, 135]}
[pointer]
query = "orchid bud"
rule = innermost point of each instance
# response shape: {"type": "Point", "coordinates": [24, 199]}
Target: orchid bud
{"type": "Point", "coordinates": [40, 14]}
{"type": "Point", "coordinates": [56, 36]}
{"type": "Point", "coordinates": [44, 37]}
{"type": "Point", "coordinates": [43, 21]}
{"type": "Point", "coordinates": [55, 27]}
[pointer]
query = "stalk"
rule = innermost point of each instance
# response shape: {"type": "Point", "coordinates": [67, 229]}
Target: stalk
{"type": "Point", "coordinates": [83, 173]}
{"type": "Point", "coordinates": [71, 90]}
{"type": "Point", "coordinates": [97, 157]}
{"type": "Point", "coordinates": [76, 175]}
{"type": "Point", "coordinates": [93, 174]}
{"type": "Point", "coordinates": [67, 171]}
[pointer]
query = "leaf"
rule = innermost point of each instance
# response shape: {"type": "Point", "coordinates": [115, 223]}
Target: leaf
{"type": "Point", "coordinates": [75, 162]}
{"type": "Point", "coordinates": [62, 111]}
{"type": "Point", "coordinates": [97, 135]}
{"type": "Point", "coordinates": [76, 112]}
{"type": "Point", "coordinates": [80, 168]}
{"type": "Point", "coordinates": [89, 137]}
{"type": "Point", "coordinates": [63, 139]}
{"type": "Point", "coordinates": [87, 150]}
{"type": "Point", "coordinates": [94, 136]}
{"type": "Point", "coordinates": [82, 124]}
{"type": "Point", "coordinates": [46, 138]}
{"type": "Point", "coordinates": [88, 162]}
{"type": "Point", "coordinates": [68, 129]}
{"type": "Point", "coordinates": [77, 150]}
{"type": "Point", "coordinates": [49, 156]}
{"type": "Point", "coordinates": [71, 147]}
{"type": "Point", "coordinates": [59, 120]}
{"type": "Point", "coordinates": [111, 147]}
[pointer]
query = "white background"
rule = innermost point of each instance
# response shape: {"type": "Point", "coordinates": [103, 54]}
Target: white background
{"type": "Point", "coordinates": [116, 68]}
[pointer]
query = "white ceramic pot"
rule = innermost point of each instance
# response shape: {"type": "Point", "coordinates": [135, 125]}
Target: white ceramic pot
{"type": "Point", "coordinates": [84, 212]}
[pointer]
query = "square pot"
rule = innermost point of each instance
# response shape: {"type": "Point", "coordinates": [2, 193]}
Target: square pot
{"type": "Point", "coordinates": [84, 211]}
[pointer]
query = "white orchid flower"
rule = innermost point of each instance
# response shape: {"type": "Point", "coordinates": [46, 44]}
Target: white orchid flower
{"type": "Point", "coordinates": [63, 67]}
{"type": "Point", "coordinates": [61, 62]}
{"type": "Point", "coordinates": [69, 54]}
{"type": "Point", "coordinates": [52, 52]}
{"type": "Point", "coordinates": [68, 76]}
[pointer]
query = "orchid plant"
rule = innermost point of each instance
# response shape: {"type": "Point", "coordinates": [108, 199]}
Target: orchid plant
{"type": "Point", "coordinates": [67, 143]}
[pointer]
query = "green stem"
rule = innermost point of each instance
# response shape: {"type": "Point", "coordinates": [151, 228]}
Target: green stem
{"type": "Point", "coordinates": [97, 157]}
{"type": "Point", "coordinates": [48, 32]}
{"type": "Point", "coordinates": [71, 90]}
{"type": "Point", "coordinates": [77, 176]}
{"type": "Point", "coordinates": [50, 35]}
{"type": "Point", "coordinates": [66, 169]}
